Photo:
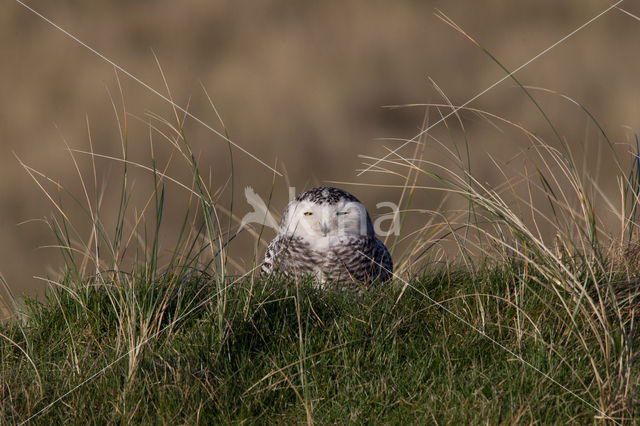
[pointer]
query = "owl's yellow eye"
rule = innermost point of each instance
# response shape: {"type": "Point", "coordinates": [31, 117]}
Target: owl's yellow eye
{"type": "Point", "coordinates": [308, 213]}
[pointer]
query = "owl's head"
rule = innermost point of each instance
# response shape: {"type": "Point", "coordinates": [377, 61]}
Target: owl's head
{"type": "Point", "coordinates": [324, 212]}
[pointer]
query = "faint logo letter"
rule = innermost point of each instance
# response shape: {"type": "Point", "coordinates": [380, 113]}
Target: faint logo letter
{"type": "Point", "coordinates": [393, 217]}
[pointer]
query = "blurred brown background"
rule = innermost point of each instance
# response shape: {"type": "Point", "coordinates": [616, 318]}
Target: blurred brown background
{"type": "Point", "coordinates": [299, 84]}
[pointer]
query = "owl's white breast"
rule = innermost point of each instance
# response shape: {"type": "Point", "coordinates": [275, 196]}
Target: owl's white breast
{"type": "Point", "coordinates": [325, 244]}
{"type": "Point", "coordinates": [323, 248]}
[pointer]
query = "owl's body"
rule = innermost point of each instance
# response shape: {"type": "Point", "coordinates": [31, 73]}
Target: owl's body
{"type": "Point", "coordinates": [326, 233]}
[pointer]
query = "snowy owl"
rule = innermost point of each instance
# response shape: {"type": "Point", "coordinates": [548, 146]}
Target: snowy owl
{"type": "Point", "coordinates": [327, 233]}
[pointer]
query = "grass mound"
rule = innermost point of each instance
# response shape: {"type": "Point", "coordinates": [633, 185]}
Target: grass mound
{"type": "Point", "coordinates": [153, 352]}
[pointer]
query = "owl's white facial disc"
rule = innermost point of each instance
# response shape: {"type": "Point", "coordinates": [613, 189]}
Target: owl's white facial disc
{"type": "Point", "coordinates": [318, 220]}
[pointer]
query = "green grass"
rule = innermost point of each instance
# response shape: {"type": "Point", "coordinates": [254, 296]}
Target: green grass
{"type": "Point", "coordinates": [290, 353]}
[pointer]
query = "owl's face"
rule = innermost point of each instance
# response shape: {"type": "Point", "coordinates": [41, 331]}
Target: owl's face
{"type": "Point", "coordinates": [306, 218]}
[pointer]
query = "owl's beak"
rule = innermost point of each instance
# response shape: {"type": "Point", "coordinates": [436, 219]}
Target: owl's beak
{"type": "Point", "coordinates": [324, 228]}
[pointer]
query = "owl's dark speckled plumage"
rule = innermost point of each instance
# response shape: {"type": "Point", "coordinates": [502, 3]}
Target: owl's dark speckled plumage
{"type": "Point", "coordinates": [325, 195]}
{"type": "Point", "coordinates": [350, 260]}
